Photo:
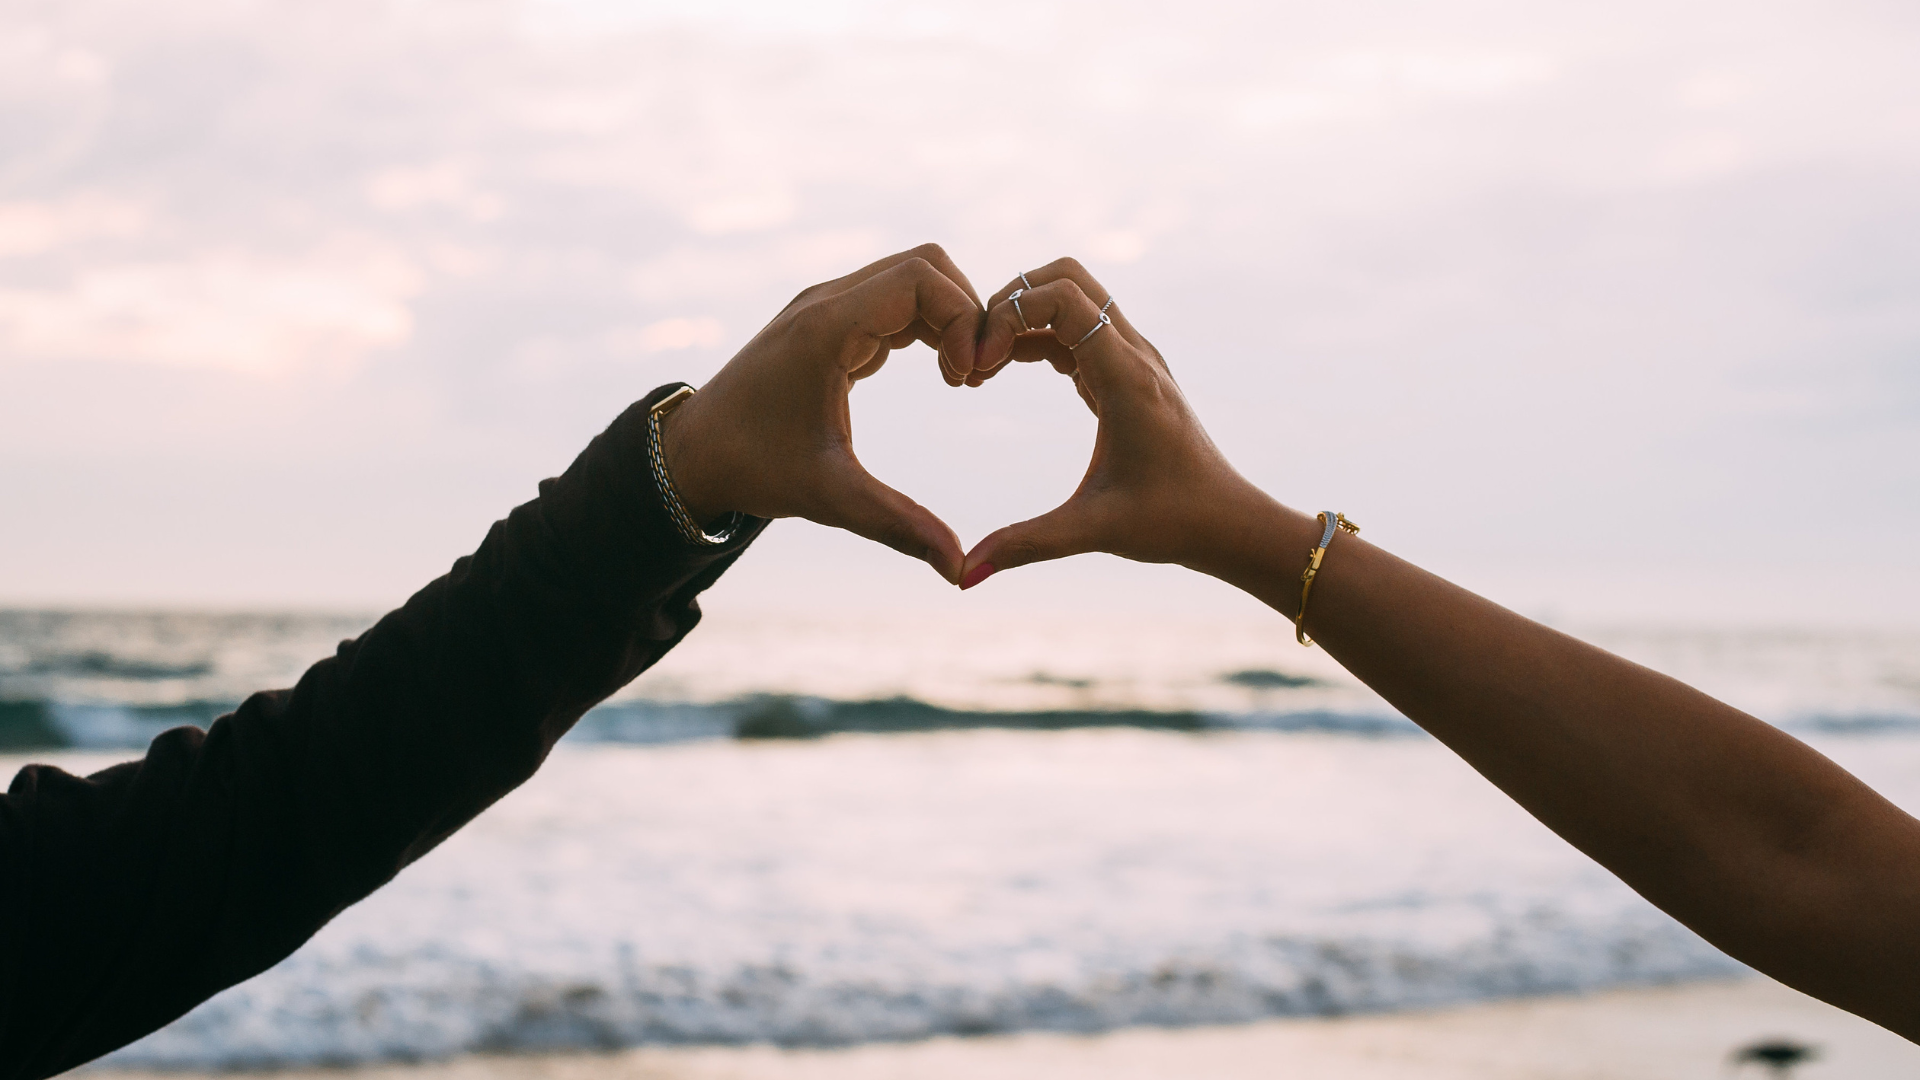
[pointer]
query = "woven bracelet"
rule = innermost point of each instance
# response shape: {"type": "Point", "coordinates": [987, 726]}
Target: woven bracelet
{"type": "Point", "coordinates": [683, 521]}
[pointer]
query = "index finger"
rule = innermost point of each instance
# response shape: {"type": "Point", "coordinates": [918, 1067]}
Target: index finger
{"type": "Point", "coordinates": [1076, 326]}
{"type": "Point", "coordinates": [1027, 348]}
{"type": "Point", "coordinates": [954, 365]}
{"type": "Point", "coordinates": [1071, 269]}
{"type": "Point", "coordinates": [911, 291]}
{"type": "Point", "coordinates": [933, 253]}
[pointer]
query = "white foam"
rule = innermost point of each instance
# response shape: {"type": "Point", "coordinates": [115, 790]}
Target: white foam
{"type": "Point", "coordinates": [882, 887]}
{"type": "Point", "coordinates": [885, 887]}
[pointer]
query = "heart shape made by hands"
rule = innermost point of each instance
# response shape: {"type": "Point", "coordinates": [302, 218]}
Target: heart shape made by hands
{"type": "Point", "coordinates": [776, 429]}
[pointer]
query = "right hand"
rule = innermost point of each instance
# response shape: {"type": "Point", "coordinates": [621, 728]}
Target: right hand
{"type": "Point", "coordinates": [771, 434]}
{"type": "Point", "coordinates": [1157, 489]}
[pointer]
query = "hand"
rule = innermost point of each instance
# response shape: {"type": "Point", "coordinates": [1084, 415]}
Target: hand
{"type": "Point", "coordinates": [770, 435]}
{"type": "Point", "coordinates": [1157, 489]}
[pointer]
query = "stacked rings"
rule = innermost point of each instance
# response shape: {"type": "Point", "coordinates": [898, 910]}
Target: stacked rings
{"type": "Point", "coordinates": [1025, 285]}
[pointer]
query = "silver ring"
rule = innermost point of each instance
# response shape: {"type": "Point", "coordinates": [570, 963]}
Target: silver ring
{"type": "Point", "coordinates": [1108, 304]}
{"type": "Point", "coordinates": [1023, 280]}
{"type": "Point", "coordinates": [1105, 320]}
{"type": "Point", "coordinates": [1016, 310]}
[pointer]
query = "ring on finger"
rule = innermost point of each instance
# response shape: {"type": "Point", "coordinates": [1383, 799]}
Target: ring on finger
{"type": "Point", "coordinates": [1105, 320]}
{"type": "Point", "coordinates": [1016, 309]}
{"type": "Point", "coordinates": [1024, 283]}
{"type": "Point", "coordinates": [1108, 304]}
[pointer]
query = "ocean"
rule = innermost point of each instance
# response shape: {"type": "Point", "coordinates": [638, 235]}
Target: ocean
{"type": "Point", "coordinates": [813, 832]}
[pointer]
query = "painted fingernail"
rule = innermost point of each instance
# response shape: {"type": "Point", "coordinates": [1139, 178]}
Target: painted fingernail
{"type": "Point", "coordinates": [979, 574]}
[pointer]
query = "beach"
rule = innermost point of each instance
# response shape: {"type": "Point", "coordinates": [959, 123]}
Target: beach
{"type": "Point", "coordinates": [1600, 313]}
{"type": "Point", "coordinates": [1160, 834]}
{"type": "Point", "coordinates": [1662, 1033]}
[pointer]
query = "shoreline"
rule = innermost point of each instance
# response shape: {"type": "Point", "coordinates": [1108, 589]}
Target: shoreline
{"type": "Point", "coordinates": [1680, 1032]}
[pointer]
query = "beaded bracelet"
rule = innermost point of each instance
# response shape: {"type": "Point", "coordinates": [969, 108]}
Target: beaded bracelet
{"type": "Point", "coordinates": [1334, 522]}
{"type": "Point", "coordinates": [670, 495]}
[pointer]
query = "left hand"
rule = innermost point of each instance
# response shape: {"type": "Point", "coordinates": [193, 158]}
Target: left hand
{"type": "Point", "coordinates": [771, 434]}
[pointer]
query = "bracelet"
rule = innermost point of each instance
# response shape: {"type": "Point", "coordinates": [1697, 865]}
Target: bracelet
{"type": "Point", "coordinates": [1334, 522]}
{"type": "Point", "coordinates": [670, 495]}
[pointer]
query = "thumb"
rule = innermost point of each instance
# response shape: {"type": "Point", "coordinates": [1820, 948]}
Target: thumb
{"type": "Point", "coordinates": [1060, 532]}
{"type": "Point", "coordinates": [869, 508]}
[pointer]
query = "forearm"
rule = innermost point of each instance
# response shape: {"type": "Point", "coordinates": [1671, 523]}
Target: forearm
{"type": "Point", "coordinates": [1746, 834]}
{"type": "Point", "coordinates": [150, 886]}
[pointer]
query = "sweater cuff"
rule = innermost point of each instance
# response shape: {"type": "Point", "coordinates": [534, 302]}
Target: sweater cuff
{"type": "Point", "coordinates": [608, 514]}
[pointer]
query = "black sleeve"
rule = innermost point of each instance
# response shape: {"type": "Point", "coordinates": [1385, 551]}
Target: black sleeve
{"type": "Point", "coordinates": [132, 895]}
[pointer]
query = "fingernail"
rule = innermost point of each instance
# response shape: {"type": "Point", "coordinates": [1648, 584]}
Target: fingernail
{"type": "Point", "coordinates": [979, 574]}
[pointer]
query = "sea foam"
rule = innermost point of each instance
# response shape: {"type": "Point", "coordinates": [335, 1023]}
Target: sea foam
{"type": "Point", "coordinates": [866, 887]}
{"type": "Point", "coordinates": [821, 833]}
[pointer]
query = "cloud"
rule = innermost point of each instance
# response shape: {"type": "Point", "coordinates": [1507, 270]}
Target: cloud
{"type": "Point", "coordinates": [797, 259]}
{"type": "Point", "coordinates": [670, 334]}
{"type": "Point", "coordinates": [232, 312]}
{"type": "Point", "coordinates": [747, 212]}
{"type": "Point", "coordinates": [1527, 249]}
{"type": "Point", "coordinates": [40, 228]}
{"type": "Point", "coordinates": [442, 185]}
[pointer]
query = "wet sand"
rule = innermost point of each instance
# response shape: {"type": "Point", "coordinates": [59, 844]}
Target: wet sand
{"type": "Point", "coordinates": [1667, 1033]}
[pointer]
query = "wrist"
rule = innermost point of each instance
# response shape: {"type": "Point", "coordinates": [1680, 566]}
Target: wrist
{"type": "Point", "coordinates": [1260, 546]}
{"type": "Point", "coordinates": [689, 459]}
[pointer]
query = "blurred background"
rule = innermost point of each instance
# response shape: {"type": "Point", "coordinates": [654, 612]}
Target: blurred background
{"type": "Point", "coordinates": [1611, 312]}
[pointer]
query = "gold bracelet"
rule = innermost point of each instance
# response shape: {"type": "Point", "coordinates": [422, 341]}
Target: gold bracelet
{"type": "Point", "coordinates": [1333, 522]}
{"type": "Point", "coordinates": [676, 507]}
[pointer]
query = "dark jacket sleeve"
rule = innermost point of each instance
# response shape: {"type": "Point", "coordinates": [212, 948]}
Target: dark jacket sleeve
{"type": "Point", "coordinates": [132, 895]}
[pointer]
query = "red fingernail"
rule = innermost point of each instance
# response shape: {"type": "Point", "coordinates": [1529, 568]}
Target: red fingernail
{"type": "Point", "coordinates": [980, 573]}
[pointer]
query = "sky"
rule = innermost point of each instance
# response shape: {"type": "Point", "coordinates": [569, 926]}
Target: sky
{"type": "Point", "coordinates": [1609, 311]}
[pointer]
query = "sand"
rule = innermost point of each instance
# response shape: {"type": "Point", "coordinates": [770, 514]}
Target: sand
{"type": "Point", "coordinates": [1668, 1033]}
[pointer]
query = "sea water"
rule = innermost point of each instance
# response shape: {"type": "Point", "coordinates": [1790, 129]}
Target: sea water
{"type": "Point", "coordinates": [1056, 825]}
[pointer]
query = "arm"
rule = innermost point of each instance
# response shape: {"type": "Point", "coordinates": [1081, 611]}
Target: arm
{"type": "Point", "coordinates": [1762, 845]}
{"type": "Point", "coordinates": [134, 894]}
{"type": "Point", "coordinates": [129, 896]}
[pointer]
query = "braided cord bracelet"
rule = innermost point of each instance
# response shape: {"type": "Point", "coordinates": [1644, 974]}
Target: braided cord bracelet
{"type": "Point", "coordinates": [689, 529]}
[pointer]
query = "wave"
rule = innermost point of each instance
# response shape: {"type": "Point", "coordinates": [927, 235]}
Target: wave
{"type": "Point", "coordinates": [56, 725]}
{"type": "Point", "coordinates": [112, 680]}
{"type": "Point", "coordinates": [52, 725]}
{"type": "Point", "coordinates": [782, 716]}
{"type": "Point", "coordinates": [45, 725]}
{"type": "Point", "coordinates": [100, 664]}
{"type": "Point", "coordinates": [339, 1009]}
{"type": "Point", "coordinates": [1875, 723]}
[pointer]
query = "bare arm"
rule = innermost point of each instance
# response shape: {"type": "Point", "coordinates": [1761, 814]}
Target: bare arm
{"type": "Point", "coordinates": [1756, 841]}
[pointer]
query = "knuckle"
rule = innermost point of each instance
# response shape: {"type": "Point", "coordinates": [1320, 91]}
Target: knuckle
{"type": "Point", "coordinates": [917, 266]}
{"type": "Point", "coordinates": [930, 251]}
{"type": "Point", "coordinates": [1141, 380]}
{"type": "Point", "coordinates": [1066, 266]}
{"type": "Point", "coordinates": [813, 317]}
{"type": "Point", "coordinates": [900, 536]}
{"type": "Point", "coordinates": [1069, 299]}
{"type": "Point", "coordinates": [1018, 552]}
